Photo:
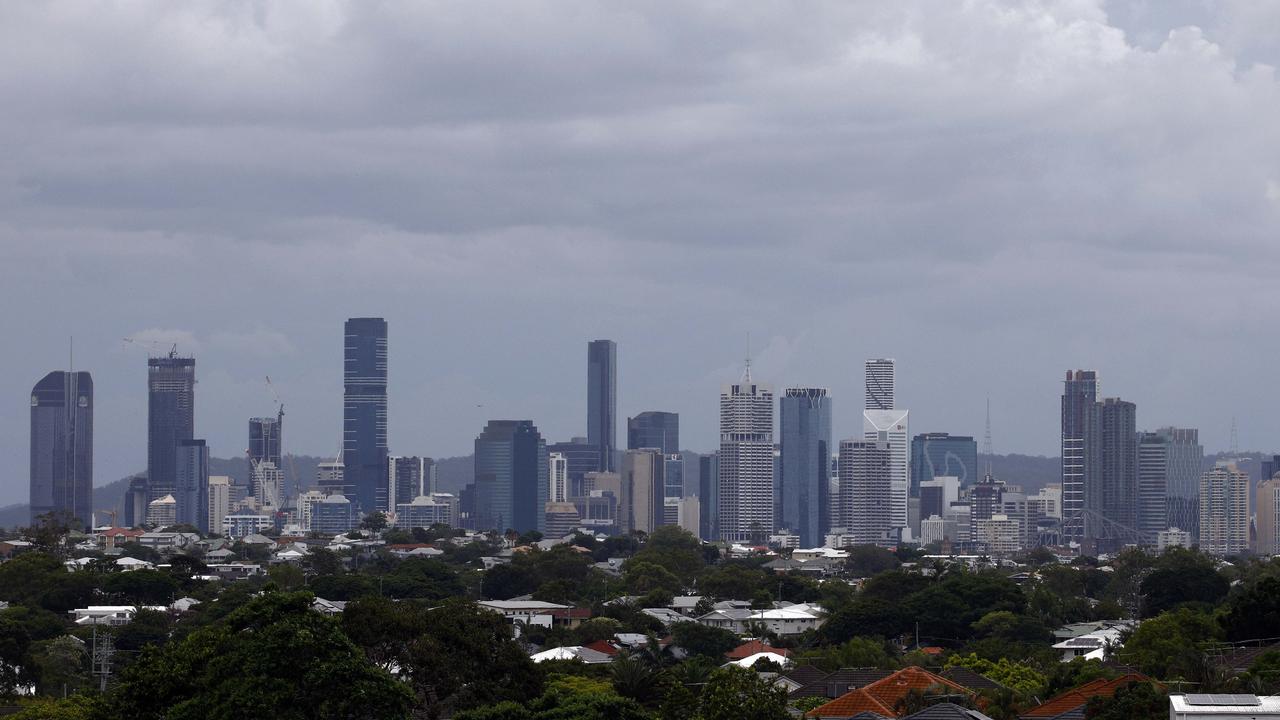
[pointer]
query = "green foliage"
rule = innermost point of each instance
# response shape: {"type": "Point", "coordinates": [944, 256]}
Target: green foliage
{"type": "Point", "coordinates": [424, 578]}
{"type": "Point", "coordinates": [811, 702]}
{"type": "Point", "coordinates": [698, 639]}
{"type": "Point", "coordinates": [674, 549]}
{"type": "Point", "coordinates": [287, 577]}
{"type": "Point", "coordinates": [642, 577]}
{"type": "Point", "coordinates": [273, 657]}
{"type": "Point", "coordinates": [39, 579]}
{"type": "Point", "coordinates": [75, 707]}
{"type": "Point", "coordinates": [148, 627]}
{"type": "Point", "coordinates": [344, 587]}
{"type": "Point", "coordinates": [1254, 613]}
{"type": "Point", "coordinates": [868, 560]}
{"type": "Point", "coordinates": [1183, 576]}
{"type": "Point", "coordinates": [733, 580]}
{"type": "Point", "coordinates": [1013, 675]}
{"type": "Point", "coordinates": [531, 569]}
{"type": "Point", "coordinates": [1135, 701]}
{"type": "Point", "coordinates": [866, 616]}
{"type": "Point", "coordinates": [735, 693]}
{"type": "Point", "coordinates": [322, 561]}
{"type": "Point", "coordinates": [1168, 646]}
{"type": "Point", "coordinates": [633, 677]}
{"type": "Point", "coordinates": [14, 644]}
{"type": "Point", "coordinates": [374, 521]}
{"type": "Point", "coordinates": [141, 587]}
{"type": "Point", "coordinates": [61, 666]}
{"type": "Point", "coordinates": [1263, 676]}
{"type": "Point", "coordinates": [855, 652]}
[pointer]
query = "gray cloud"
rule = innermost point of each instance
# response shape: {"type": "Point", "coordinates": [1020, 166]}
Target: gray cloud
{"type": "Point", "coordinates": [991, 191]}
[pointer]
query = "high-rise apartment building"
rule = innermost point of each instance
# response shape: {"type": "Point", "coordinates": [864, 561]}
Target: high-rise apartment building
{"type": "Point", "coordinates": [1153, 485]}
{"type": "Point", "coordinates": [581, 458]}
{"type": "Point", "coordinates": [1267, 513]}
{"type": "Point", "coordinates": [943, 455]}
{"type": "Point", "coordinates": [643, 490]}
{"type": "Point", "coordinates": [62, 447]}
{"type": "Point", "coordinates": [1119, 462]}
{"type": "Point", "coordinates": [1182, 487]}
{"type": "Point", "coordinates": [219, 495]}
{"type": "Point", "coordinates": [866, 492]}
{"type": "Point", "coordinates": [654, 429]}
{"type": "Point", "coordinates": [191, 478]}
{"type": "Point", "coordinates": [511, 484]}
{"type": "Point", "coordinates": [1224, 510]}
{"type": "Point", "coordinates": [602, 399]}
{"type": "Point", "coordinates": [1081, 451]}
{"type": "Point", "coordinates": [745, 494]}
{"type": "Point", "coordinates": [329, 478]}
{"type": "Point", "coordinates": [171, 385]}
{"type": "Point", "coordinates": [409, 478]}
{"type": "Point", "coordinates": [891, 427]}
{"type": "Point", "coordinates": [266, 435]}
{"type": "Point", "coordinates": [557, 478]}
{"type": "Point", "coordinates": [880, 380]}
{"type": "Point", "coordinates": [267, 480]}
{"type": "Point", "coordinates": [364, 413]}
{"type": "Point", "coordinates": [805, 482]}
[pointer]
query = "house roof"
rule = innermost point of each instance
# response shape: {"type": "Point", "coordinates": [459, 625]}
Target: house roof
{"type": "Point", "coordinates": [1077, 698]}
{"type": "Point", "coordinates": [947, 711]}
{"type": "Point", "coordinates": [573, 652]}
{"type": "Point", "coordinates": [751, 647]}
{"type": "Point", "coordinates": [970, 679]}
{"type": "Point", "coordinates": [602, 646]}
{"type": "Point", "coordinates": [840, 682]}
{"type": "Point", "coordinates": [751, 660]}
{"type": "Point", "coordinates": [806, 674]}
{"type": "Point", "coordinates": [884, 695]}
{"type": "Point", "coordinates": [1241, 659]}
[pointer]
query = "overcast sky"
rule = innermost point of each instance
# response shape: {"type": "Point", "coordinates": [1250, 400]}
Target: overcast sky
{"type": "Point", "coordinates": [990, 192]}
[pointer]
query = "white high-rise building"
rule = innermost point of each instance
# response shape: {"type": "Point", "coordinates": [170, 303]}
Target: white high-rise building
{"type": "Point", "coordinates": [1224, 510]}
{"type": "Point", "coordinates": [306, 507]}
{"type": "Point", "coordinates": [558, 474]}
{"type": "Point", "coordinates": [219, 501]}
{"type": "Point", "coordinates": [890, 426]}
{"type": "Point", "coordinates": [880, 383]}
{"type": "Point", "coordinates": [865, 471]}
{"type": "Point", "coordinates": [746, 461]}
{"type": "Point", "coordinates": [268, 483]}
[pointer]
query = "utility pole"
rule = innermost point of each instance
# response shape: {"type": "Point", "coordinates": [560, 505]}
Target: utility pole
{"type": "Point", "coordinates": [103, 648]}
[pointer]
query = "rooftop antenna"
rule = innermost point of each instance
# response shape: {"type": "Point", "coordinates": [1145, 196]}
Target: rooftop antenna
{"type": "Point", "coordinates": [1235, 438]}
{"type": "Point", "coordinates": [71, 354]}
{"type": "Point", "coordinates": [746, 375]}
{"type": "Point", "coordinates": [986, 438]}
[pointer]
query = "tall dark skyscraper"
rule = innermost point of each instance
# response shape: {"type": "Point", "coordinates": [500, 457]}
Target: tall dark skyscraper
{"type": "Point", "coordinates": [364, 412]}
{"type": "Point", "coordinates": [1184, 468]}
{"type": "Point", "coordinates": [1119, 487]}
{"type": "Point", "coordinates": [62, 447]}
{"type": "Point", "coordinates": [171, 389]}
{"type": "Point", "coordinates": [602, 400]}
{"type": "Point", "coordinates": [804, 486]}
{"type": "Point", "coordinates": [709, 497]}
{"type": "Point", "coordinates": [1081, 449]}
{"type": "Point", "coordinates": [191, 474]}
{"type": "Point", "coordinates": [511, 481]}
{"type": "Point", "coordinates": [941, 454]}
{"type": "Point", "coordinates": [654, 429]}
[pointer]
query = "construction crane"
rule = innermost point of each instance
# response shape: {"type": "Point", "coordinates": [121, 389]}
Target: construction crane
{"type": "Point", "coordinates": [152, 344]}
{"type": "Point", "coordinates": [293, 473]}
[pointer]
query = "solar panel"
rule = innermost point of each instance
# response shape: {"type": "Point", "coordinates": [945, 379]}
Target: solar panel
{"type": "Point", "coordinates": [1200, 699]}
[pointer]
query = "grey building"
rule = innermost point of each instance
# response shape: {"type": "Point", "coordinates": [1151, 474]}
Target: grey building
{"type": "Point", "coordinates": [654, 429]}
{"type": "Point", "coordinates": [1153, 484]}
{"type": "Point", "coordinates": [135, 501]}
{"type": "Point", "coordinates": [866, 479]}
{"type": "Point", "coordinates": [333, 515]}
{"type": "Point", "coordinates": [602, 400]}
{"type": "Point", "coordinates": [62, 447]}
{"type": "Point", "coordinates": [511, 480]}
{"type": "Point", "coordinates": [1185, 466]}
{"type": "Point", "coordinates": [943, 455]}
{"type": "Point", "coordinates": [745, 501]}
{"type": "Point", "coordinates": [364, 413]}
{"type": "Point", "coordinates": [265, 443]}
{"type": "Point", "coordinates": [191, 474]}
{"type": "Point", "coordinates": [880, 383]}
{"type": "Point", "coordinates": [708, 497]}
{"type": "Point", "coordinates": [643, 486]}
{"type": "Point", "coordinates": [1119, 485]}
{"type": "Point", "coordinates": [805, 478]}
{"type": "Point", "coordinates": [409, 478]}
{"type": "Point", "coordinates": [1081, 449]}
{"type": "Point", "coordinates": [582, 458]}
{"type": "Point", "coordinates": [171, 385]}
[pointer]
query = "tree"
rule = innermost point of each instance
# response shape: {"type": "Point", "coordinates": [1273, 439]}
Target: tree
{"type": "Point", "coordinates": [75, 707]}
{"type": "Point", "coordinates": [698, 639]}
{"type": "Point", "coordinates": [287, 576]}
{"type": "Point", "coordinates": [1014, 675]}
{"type": "Point", "coordinates": [866, 616]}
{"type": "Point", "coordinates": [1135, 701]}
{"type": "Point", "coordinates": [14, 644]}
{"type": "Point", "coordinates": [1254, 613]}
{"type": "Point", "coordinates": [38, 579]}
{"type": "Point", "coordinates": [424, 578]}
{"type": "Point", "coordinates": [503, 582]}
{"type": "Point", "coordinates": [322, 561]}
{"type": "Point", "coordinates": [61, 665]}
{"type": "Point", "coordinates": [634, 678]}
{"type": "Point", "coordinates": [148, 627]}
{"type": "Point", "coordinates": [733, 580]}
{"type": "Point", "coordinates": [1168, 646]}
{"type": "Point", "coordinates": [374, 522]}
{"type": "Point", "coordinates": [855, 652]}
{"type": "Point", "coordinates": [642, 577]}
{"type": "Point", "coordinates": [1184, 576]}
{"type": "Point", "coordinates": [735, 693]}
{"type": "Point", "coordinates": [274, 657]}
{"type": "Point", "coordinates": [868, 560]}
{"type": "Point", "coordinates": [675, 549]}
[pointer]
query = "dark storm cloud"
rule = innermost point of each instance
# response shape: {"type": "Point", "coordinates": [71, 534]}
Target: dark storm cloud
{"type": "Point", "coordinates": [989, 191]}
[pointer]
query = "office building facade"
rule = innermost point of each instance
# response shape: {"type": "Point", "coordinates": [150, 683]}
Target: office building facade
{"type": "Point", "coordinates": [171, 385]}
{"type": "Point", "coordinates": [805, 480]}
{"type": "Point", "coordinates": [892, 427]}
{"type": "Point", "coordinates": [581, 458]}
{"type": "Point", "coordinates": [511, 477]}
{"type": "Point", "coordinates": [866, 492]}
{"type": "Point", "coordinates": [409, 478]}
{"type": "Point", "coordinates": [61, 473]}
{"type": "Point", "coordinates": [364, 413]}
{"type": "Point", "coordinates": [745, 494]}
{"type": "Point", "coordinates": [191, 477]}
{"type": "Point", "coordinates": [654, 429]}
{"type": "Point", "coordinates": [1182, 487]}
{"type": "Point", "coordinates": [879, 378]}
{"type": "Point", "coordinates": [1119, 462]}
{"type": "Point", "coordinates": [943, 455]}
{"type": "Point", "coordinates": [641, 507]}
{"type": "Point", "coordinates": [1081, 450]}
{"type": "Point", "coordinates": [602, 400]}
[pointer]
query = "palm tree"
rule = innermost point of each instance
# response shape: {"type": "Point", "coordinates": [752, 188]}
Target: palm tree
{"type": "Point", "coordinates": [634, 678]}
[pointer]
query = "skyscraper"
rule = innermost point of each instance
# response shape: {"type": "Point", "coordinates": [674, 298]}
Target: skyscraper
{"type": "Point", "coordinates": [745, 496]}
{"type": "Point", "coordinates": [891, 427]}
{"type": "Point", "coordinates": [880, 382]}
{"type": "Point", "coordinates": [804, 486]}
{"type": "Point", "coordinates": [171, 385]}
{"type": "Point", "coordinates": [511, 477]}
{"type": "Point", "coordinates": [602, 399]}
{"type": "Point", "coordinates": [1081, 450]}
{"type": "Point", "coordinates": [1185, 465]}
{"type": "Point", "coordinates": [1153, 484]}
{"type": "Point", "coordinates": [1267, 508]}
{"type": "Point", "coordinates": [1224, 510]}
{"type": "Point", "coordinates": [62, 447]}
{"type": "Point", "coordinates": [265, 442]}
{"type": "Point", "coordinates": [1119, 462]}
{"type": "Point", "coordinates": [409, 478]}
{"type": "Point", "coordinates": [943, 455]}
{"type": "Point", "coordinates": [641, 505]}
{"type": "Point", "coordinates": [654, 429]}
{"type": "Point", "coordinates": [364, 412]}
{"type": "Point", "coordinates": [191, 475]}
{"type": "Point", "coordinates": [709, 497]}
{"type": "Point", "coordinates": [219, 503]}
{"type": "Point", "coordinates": [866, 478]}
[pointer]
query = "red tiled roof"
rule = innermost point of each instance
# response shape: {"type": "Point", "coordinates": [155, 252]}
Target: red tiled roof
{"type": "Point", "coordinates": [602, 646]}
{"type": "Point", "coordinates": [751, 647]}
{"type": "Point", "coordinates": [1077, 697]}
{"type": "Point", "coordinates": [883, 696]}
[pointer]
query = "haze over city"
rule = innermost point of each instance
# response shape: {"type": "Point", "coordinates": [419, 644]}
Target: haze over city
{"type": "Point", "coordinates": [1099, 188]}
